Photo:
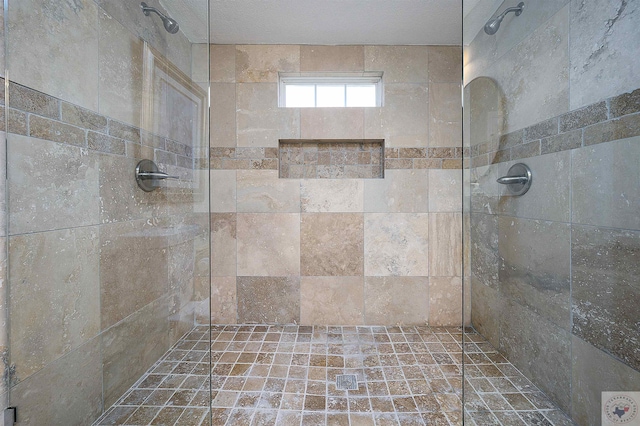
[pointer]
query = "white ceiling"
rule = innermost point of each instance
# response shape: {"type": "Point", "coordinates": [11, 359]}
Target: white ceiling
{"type": "Point", "coordinates": [332, 22]}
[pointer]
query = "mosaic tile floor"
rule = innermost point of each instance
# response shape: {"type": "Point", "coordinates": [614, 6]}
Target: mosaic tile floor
{"type": "Point", "coordinates": [286, 375]}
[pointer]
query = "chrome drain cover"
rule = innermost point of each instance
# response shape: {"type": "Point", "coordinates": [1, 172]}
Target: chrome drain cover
{"type": "Point", "coordinates": [346, 382]}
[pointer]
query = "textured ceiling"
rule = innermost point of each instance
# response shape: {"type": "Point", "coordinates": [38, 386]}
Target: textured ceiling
{"type": "Point", "coordinates": [320, 21]}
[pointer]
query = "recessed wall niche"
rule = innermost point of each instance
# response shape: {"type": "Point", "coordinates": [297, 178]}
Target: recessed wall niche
{"type": "Point", "coordinates": [331, 158]}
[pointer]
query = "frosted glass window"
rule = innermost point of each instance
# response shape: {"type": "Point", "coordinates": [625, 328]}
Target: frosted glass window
{"type": "Point", "coordinates": [329, 96]}
{"type": "Point", "coordinates": [330, 90]}
{"type": "Point", "coordinates": [361, 96]}
{"type": "Point", "coordinates": [299, 96]}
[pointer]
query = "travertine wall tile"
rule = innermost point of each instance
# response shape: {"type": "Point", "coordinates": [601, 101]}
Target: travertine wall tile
{"type": "Point", "coordinates": [54, 296]}
{"type": "Point", "coordinates": [268, 244]}
{"type": "Point", "coordinates": [445, 115]}
{"type": "Point", "coordinates": [332, 195]}
{"type": "Point", "coordinates": [445, 244]}
{"type": "Point", "coordinates": [445, 64]}
{"type": "Point", "coordinates": [223, 244]}
{"type": "Point", "coordinates": [263, 191]}
{"type": "Point", "coordinates": [261, 63]}
{"type": "Point", "coordinates": [224, 301]}
{"type": "Point", "coordinates": [332, 300]}
{"type": "Point", "coordinates": [331, 58]}
{"type": "Point", "coordinates": [400, 64]}
{"type": "Point", "coordinates": [223, 63]}
{"type": "Point", "coordinates": [223, 115]}
{"type": "Point", "coordinates": [396, 300]}
{"type": "Point", "coordinates": [331, 244]}
{"type": "Point", "coordinates": [445, 301]}
{"type": "Point", "coordinates": [332, 123]}
{"type": "Point", "coordinates": [396, 244]}
{"type": "Point", "coordinates": [268, 300]}
{"type": "Point", "coordinates": [401, 191]}
{"type": "Point", "coordinates": [223, 191]}
{"type": "Point", "coordinates": [445, 190]}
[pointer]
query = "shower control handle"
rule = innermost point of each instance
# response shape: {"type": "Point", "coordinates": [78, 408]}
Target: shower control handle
{"type": "Point", "coordinates": [156, 175]}
{"type": "Point", "coordinates": [508, 180]}
{"type": "Point", "coordinates": [518, 179]}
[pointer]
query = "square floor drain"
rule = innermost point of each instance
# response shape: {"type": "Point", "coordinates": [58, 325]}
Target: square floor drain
{"type": "Point", "coordinates": [346, 382]}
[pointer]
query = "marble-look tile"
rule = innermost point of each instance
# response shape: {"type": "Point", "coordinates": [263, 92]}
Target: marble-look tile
{"type": "Point", "coordinates": [223, 244]}
{"type": "Point", "coordinates": [332, 300]}
{"type": "Point", "coordinates": [260, 122]}
{"type": "Point", "coordinates": [65, 37]}
{"type": "Point", "coordinates": [332, 123]}
{"type": "Point", "coordinates": [605, 50]}
{"type": "Point", "coordinates": [396, 300]}
{"type": "Point", "coordinates": [445, 115]}
{"type": "Point", "coordinates": [223, 63]}
{"type": "Point", "coordinates": [55, 295]}
{"type": "Point", "coordinates": [535, 76]}
{"type": "Point", "coordinates": [445, 191]}
{"type": "Point", "coordinates": [332, 195]}
{"type": "Point", "coordinates": [67, 392]}
{"type": "Point", "coordinates": [268, 244]}
{"type": "Point", "coordinates": [445, 64]}
{"type": "Point", "coordinates": [331, 244]}
{"type": "Point", "coordinates": [268, 300]}
{"type": "Point", "coordinates": [121, 72]}
{"type": "Point", "coordinates": [404, 118]}
{"type": "Point", "coordinates": [588, 382]}
{"type": "Point", "coordinates": [51, 185]}
{"type": "Point", "coordinates": [223, 115]}
{"type": "Point", "coordinates": [539, 349]}
{"type": "Point", "coordinates": [401, 191]}
{"type": "Point", "coordinates": [602, 175]}
{"type": "Point", "coordinates": [445, 301]}
{"type": "Point", "coordinates": [223, 300]}
{"type": "Point", "coordinates": [535, 266]}
{"type": "Point", "coordinates": [262, 63]}
{"type": "Point", "coordinates": [485, 260]}
{"type": "Point", "coordinates": [400, 64]}
{"type": "Point", "coordinates": [126, 268]}
{"type": "Point", "coordinates": [396, 244]}
{"type": "Point", "coordinates": [223, 190]}
{"type": "Point", "coordinates": [445, 244]}
{"type": "Point", "coordinates": [605, 292]}
{"type": "Point", "coordinates": [486, 308]}
{"type": "Point", "coordinates": [262, 191]}
{"type": "Point", "coordinates": [331, 58]}
{"type": "Point", "coordinates": [132, 346]}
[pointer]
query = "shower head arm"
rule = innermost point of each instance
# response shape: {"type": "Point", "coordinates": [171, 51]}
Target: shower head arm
{"type": "Point", "coordinates": [492, 26]}
{"type": "Point", "coordinates": [148, 9]}
{"type": "Point", "coordinates": [169, 24]}
{"type": "Point", "coordinates": [517, 11]}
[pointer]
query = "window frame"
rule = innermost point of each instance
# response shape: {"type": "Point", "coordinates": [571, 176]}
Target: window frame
{"type": "Point", "coordinates": [331, 79]}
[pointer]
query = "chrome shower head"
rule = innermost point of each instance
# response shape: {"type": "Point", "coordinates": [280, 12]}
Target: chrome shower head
{"type": "Point", "coordinates": [493, 25]}
{"type": "Point", "coordinates": [169, 24]}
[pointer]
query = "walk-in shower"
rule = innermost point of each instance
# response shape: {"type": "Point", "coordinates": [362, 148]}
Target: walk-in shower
{"type": "Point", "coordinates": [170, 24]}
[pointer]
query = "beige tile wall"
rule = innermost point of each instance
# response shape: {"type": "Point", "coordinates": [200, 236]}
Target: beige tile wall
{"type": "Point", "coordinates": [336, 251]}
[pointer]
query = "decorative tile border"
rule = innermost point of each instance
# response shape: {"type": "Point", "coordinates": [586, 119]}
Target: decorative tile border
{"type": "Point", "coordinates": [605, 121]}
{"type": "Point", "coordinates": [42, 116]}
{"type": "Point", "coordinates": [243, 158]}
{"type": "Point", "coordinates": [423, 158]}
{"type": "Point", "coordinates": [331, 159]}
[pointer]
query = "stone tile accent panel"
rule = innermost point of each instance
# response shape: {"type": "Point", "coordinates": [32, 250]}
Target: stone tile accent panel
{"type": "Point", "coordinates": [609, 120]}
{"type": "Point", "coordinates": [244, 158]}
{"type": "Point", "coordinates": [331, 159]}
{"type": "Point", "coordinates": [331, 244]}
{"type": "Point", "coordinates": [605, 291]}
{"type": "Point", "coordinates": [265, 300]}
{"type": "Point", "coordinates": [286, 375]}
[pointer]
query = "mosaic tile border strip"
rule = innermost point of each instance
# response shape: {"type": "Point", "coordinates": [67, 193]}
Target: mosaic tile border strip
{"type": "Point", "coordinates": [612, 119]}
{"type": "Point", "coordinates": [331, 159]}
{"type": "Point", "coordinates": [42, 116]}
{"type": "Point", "coordinates": [285, 375]}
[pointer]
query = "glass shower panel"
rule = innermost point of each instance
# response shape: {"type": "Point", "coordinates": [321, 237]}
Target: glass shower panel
{"type": "Point", "coordinates": [553, 272]}
{"type": "Point", "coordinates": [103, 277]}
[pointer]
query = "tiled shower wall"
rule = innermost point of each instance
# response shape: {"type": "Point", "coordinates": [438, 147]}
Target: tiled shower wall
{"type": "Point", "coordinates": [340, 251]}
{"type": "Point", "coordinates": [103, 277]}
{"type": "Point", "coordinates": [555, 272]}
